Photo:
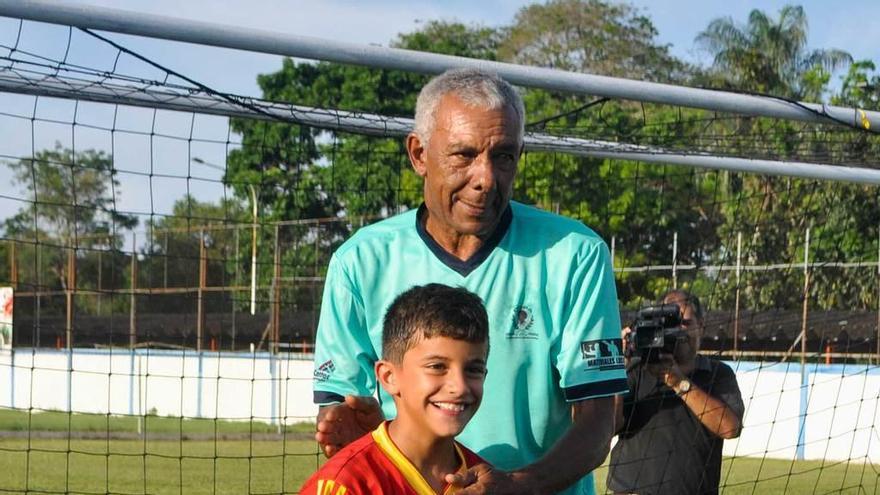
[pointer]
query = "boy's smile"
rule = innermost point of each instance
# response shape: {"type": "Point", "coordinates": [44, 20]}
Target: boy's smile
{"type": "Point", "coordinates": [438, 387]}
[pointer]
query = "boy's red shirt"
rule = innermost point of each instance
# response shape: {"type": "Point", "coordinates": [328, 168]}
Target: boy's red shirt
{"type": "Point", "coordinates": [373, 465]}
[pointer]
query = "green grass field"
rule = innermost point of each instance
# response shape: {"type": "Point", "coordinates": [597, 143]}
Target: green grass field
{"type": "Point", "coordinates": [188, 457]}
{"type": "Point", "coordinates": [771, 476]}
{"type": "Point", "coordinates": [18, 420]}
{"type": "Point", "coordinates": [156, 467]}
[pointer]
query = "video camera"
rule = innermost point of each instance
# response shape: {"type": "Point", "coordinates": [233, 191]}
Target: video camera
{"type": "Point", "coordinates": [656, 329]}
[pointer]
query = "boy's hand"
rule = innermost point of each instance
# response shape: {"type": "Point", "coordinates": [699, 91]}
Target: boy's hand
{"type": "Point", "coordinates": [484, 479]}
{"type": "Point", "coordinates": [340, 424]}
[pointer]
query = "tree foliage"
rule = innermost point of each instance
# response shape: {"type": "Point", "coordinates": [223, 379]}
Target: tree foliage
{"type": "Point", "coordinates": [592, 36]}
{"type": "Point", "coordinates": [71, 211]}
{"type": "Point", "coordinates": [73, 197]}
{"type": "Point", "coordinates": [860, 87]}
{"type": "Point", "coordinates": [768, 55]}
{"type": "Point", "coordinates": [310, 173]}
{"type": "Point", "coordinates": [773, 214]}
{"type": "Point", "coordinates": [295, 172]}
{"type": "Point", "coordinates": [172, 252]}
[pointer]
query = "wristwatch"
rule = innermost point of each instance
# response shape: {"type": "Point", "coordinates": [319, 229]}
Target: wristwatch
{"type": "Point", "coordinates": [683, 387]}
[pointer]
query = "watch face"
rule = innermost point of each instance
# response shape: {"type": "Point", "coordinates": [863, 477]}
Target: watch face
{"type": "Point", "coordinates": [684, 386]}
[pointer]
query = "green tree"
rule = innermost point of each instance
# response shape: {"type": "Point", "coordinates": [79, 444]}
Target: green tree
{"type": "Point", "coordinates": [860, 87]}
{"type": "Point", "coordinates": [850, 230]}
{"type": "Point", "coordinates": [74, 195]}
{"type": "Point", "coordinates": [307, 173]}
{"type": "Point", "coordinates": [72, 206]}
{"type": "Point", "coordinates": [172, 252]}
{"type": "Point", "coordinates": [593, 36]}
{"type": "Point", "coordinates": [770, 55]}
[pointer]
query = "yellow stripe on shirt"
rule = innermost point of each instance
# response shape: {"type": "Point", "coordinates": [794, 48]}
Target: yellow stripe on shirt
{"type": "Point", "coordinates": [412, 475]}
{"type": "Point", "coordinates": [325, 487]}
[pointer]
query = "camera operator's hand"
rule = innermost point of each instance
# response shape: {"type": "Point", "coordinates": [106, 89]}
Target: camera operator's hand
{"type": "Point", "coordinates": [627, 350]}
{"type": "Point", "coordinates": [666, 369]}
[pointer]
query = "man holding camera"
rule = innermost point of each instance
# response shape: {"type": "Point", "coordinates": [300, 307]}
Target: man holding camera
{"type": "Point", "coordinates": [681, 406]}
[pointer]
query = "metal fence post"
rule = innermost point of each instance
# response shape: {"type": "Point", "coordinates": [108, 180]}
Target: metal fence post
{"type": "Point", "coordinates": [736, 307]}
{"type": "Point", "coordinates": [132, 312]}
{"type": "Point", "coordinates": [806, 301]}
{"type": "Point", "coordinates": [200, 310]}
{"type": "Point", "coordinates": [68, 293]}
{"type": "Point", "coordinates": [276, 294]}
{"type": "Point", "coordinates": [100, 286]}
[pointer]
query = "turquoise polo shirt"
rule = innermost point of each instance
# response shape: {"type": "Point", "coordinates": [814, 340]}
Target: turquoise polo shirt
{"type": "Point", "coordinates": [548, 287]}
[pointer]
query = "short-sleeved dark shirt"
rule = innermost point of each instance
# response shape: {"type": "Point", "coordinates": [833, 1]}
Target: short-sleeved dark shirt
{"type": "Point", "coordinates": [663, 448]}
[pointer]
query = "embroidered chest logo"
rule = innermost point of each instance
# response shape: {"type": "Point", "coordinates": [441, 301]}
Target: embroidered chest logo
{"type": "Point", "coordinates": [603, 355]}
{"type": "Point", "coordinates": [322, 373]}
{"type": "Point", "coordinates": [522, 321]}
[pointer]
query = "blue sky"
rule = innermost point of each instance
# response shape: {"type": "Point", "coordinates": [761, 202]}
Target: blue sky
{"type": "Point", "coordinates": [850, 25]}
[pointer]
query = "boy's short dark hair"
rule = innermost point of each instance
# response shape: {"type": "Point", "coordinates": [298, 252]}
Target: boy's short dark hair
{"type": "Point", "coordinates": [433, 310]}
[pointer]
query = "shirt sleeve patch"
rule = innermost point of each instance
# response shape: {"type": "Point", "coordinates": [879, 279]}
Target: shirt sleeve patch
{"type": "Point", "coordinates": [595, 389]}
{"type": "Point", "coordinates": [324, 370]}
{"type": "Point", "coordinates": [603, 354]}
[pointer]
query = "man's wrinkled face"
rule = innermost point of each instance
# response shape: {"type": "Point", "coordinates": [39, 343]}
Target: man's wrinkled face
{"type": "Point", "coordinates": [468, 165]}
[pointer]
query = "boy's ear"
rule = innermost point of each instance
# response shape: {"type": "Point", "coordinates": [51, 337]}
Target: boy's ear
{"type": "Point", "coordinates": [386, 373]}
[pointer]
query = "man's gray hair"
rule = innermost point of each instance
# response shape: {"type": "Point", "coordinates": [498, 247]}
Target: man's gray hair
{"type": "Point", "coordinates": [475, 87]}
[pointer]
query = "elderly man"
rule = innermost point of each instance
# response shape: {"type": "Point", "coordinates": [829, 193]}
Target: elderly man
{"type": "Point", "coordinates": [675, 420]}
{"type": "Point", "coordinates": [547, 414]}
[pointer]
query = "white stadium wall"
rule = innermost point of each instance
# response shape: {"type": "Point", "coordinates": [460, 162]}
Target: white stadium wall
{"type": "Point", "coordinates": [233, 386]}
{"type": "Point", "coordinates": [827, 413]}
{"type": "Point", "coordinates": [831, 417]}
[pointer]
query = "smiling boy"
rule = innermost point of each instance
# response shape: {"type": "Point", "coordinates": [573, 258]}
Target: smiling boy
{"type": "Point", "coordinates": [434, 351]}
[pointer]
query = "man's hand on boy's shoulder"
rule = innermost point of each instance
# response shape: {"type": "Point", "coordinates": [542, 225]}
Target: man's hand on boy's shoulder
{"type": "Point", "coordinates": [484, 479]}
{"type": "Point", "coordinates": [340, 424]}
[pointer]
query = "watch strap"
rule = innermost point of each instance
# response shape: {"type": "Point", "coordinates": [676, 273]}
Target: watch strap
{"type": "Point", "coordinates": [683, 387]}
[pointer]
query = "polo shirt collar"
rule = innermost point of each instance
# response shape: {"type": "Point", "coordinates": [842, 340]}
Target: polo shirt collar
{"type": "Point", "coordinates": [463, 267]}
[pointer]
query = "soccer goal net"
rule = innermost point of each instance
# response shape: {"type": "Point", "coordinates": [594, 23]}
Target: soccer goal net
{"type": "Point", "coordinates": [163, 246]}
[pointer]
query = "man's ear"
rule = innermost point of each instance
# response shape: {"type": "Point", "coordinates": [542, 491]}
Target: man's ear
{"type": "Point", "coordinates": [416, 152]}
{"type": "Point", "coordinates": [386, 373]}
